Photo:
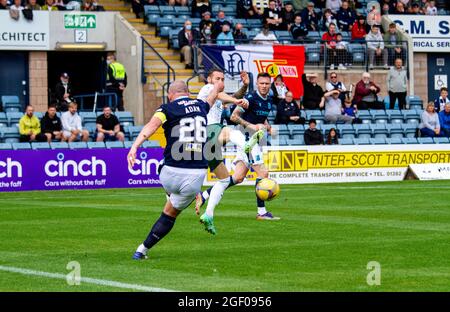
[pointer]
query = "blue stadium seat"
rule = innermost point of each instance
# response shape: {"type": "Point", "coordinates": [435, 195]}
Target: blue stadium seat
{"type": "Point", "coordinates": [395, 116]}
{"type": "Point", "coordinates": [298, 140]}
{"type": "Point", "coordinates": [178, 22]}
{"type": "Point", "coordinates": [414, 102]}
{"type": "Point", "coordinates": [346, 131]}
{"type": "Point", "coordinates": [9, 134]}
{"type": "Point", "coordinates": [21, 146]}
{"type": "Point", "coordinates": [377, 141]}
{"type": "Point", "coordinates": [12, 107]}
{"type": "Point", "coordinates": [134, 131]}
{"type": "Point", "coordinates": [282, 129]}
{"type": "Point", "coordinates": [167, 10]}
{"type": "Point", "coordinates": [411, 116]}
{"type": "Point", "coordinates": [425, 140]}
{"type": "Point", "coordinates": [127, 144]}
{"type": "Point", "coordinates": [379, 116]}
{"type": "Point", "coordinates": [365, 116]}
{"type": "Point", "coordinates": [315, 114]}
{"type": "Point", "coordinates": [296, 130]}
{"type": "Point", "coordinates": [327, 127]}
{"type": "Point", "coordinates": [346, 141]}
{"type": "Point", "coordinates": [77, 145]}
{"type": "Point", "coordinates": [410, 130]}
{"type": "Point", "coordinates": [150, 143]}
{"type": "Point", "coordinates": [7, 99]}
{"type": "Point", "coordinates": [312, 52]}
{"type": "Point", "coordinates": [394, 141]}
{"type": "Point", "coordinates": [125, 118]}
{"type": "Point", "coordinates": [59, 145]}
{"type": "Point", "coordinates": [379, 131]}
{"type": "Point", "coordinates": [164, 25]}
{"type": "Point", "coordinates": [358, 53]}
{"type": "Point", "coordinates": [409, 140]}
{"type": "Point", "coordinates": [114, 144]}
{"type": "Point", "coordinates": [173, 39]}
{"type": "Point", "coordinates": [152, 14]}
{"type": "Point", "coordinates": [283, 36]}
{"type": "Point", "coordinates": [88, 117]}
{"type": "Point", "coordinates": [439, 140]}
{"type": "Point", "coordinates": [182, 11]}
{"type": "Point", "coordinates": [40, 145]}
{"type": "Point", "coordinates": [314, 35]}
{"type": "Point", "coordinates": [196, 22]}
{"type": "Point", "coordinates": [13, 118]}
{"type": "Point", "coordinates": [95, 145]}
{"type": "Point", "coordinates": [362, 141]}
{"type": "Point", "coordinates": [3, 120]}
{"type": "Point", "coordinates": [5, 146]}
{"type": "Point", "coordinates": [92, 129]}
{"type": "Point", "coordinates": [254, 23]}
{"type": "Point", "coordinates": [395, 130]}
{"type": "Point", "coordinates": [363, 131]}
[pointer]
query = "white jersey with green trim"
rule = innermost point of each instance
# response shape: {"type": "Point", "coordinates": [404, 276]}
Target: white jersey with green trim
{"type": "Point", "coordinates": [215, 113]}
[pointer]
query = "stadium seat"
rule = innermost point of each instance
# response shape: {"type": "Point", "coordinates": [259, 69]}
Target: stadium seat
{"type": "Point", "coordinates": [77, 145]}
{"type": "Point", "coordinates": [379, 116]}
{"type": "Point", "coordinates": [152, 14]}
{"type": "Point", "coordinates": [358, 53]}
{"type": "Point", "coordinates": [346, 131]}
{"type": "Point", "coordinates": [283, 36]}
{"type": "Point", "coordinates": [3, 120]}
{"type": "Point", "coordinates": [5, 146]}
{"type": "Point", "coordinates": [346, 141]}
{"type": "Point", "coordinates": [410, 130]}
{"type": "Point", "coordinates": [379, 131]}
{"type": "Point", "coordinates": [362, 141]}
{"type": "Point", "coordinates": [377, 141]}
{"type": "Point", "coordinates": [395, 116]}
{"type": "Point", "coordinates": [365, 116]}
{"type": "Point", "coordinates": [254, 23]}
{"type": "Point", "coordinates": [394, 141]}
{"type": "Point", "coordinates": [10, 134]}
{"type": "Point", "coordinates": [134, 131]}
{"type": "Point", "coordinates": [21, 146]}
{"type": "Point", "coordinates": [411, 116]}
{"type": "Point", "coordinates": [88, 117]}
{"type": "Point", "coordinates": [327, 127]}
{"type": "Point", "coordinates": [95, 145]}
{"type": "Point", "coordinates": [12, 107]}
{"type": "Point", "coordinates": [296, 130]}
{"type": "Point", "coordinates": [282, 130]}
{"type": "Point", "coordinates": [114, 144]}
{"type": "Point", "coordinates": [167, 10]}
{"type": "Point", "coordinates": [164, 26]}
{"type": "Point", "coordinates": [299, 140]}
{"type": "Point", "coordinates": [314, 35]}
{"type": "Point", "coordinates": [173, 39]}
{"type": "Point", "coordinates": [409, 141]}
{"type": "Point", "coordinates": [395, 130]}
{"type": "Point", "coordinates": [13, 118]}
{"type": "Point", "coordinates": [312, 52]}
{"type": "Point", "coordinates": [125, 118]}
{"type": "Point", "coordinates": [425, 140]}
{"type": "Point", "coordinates": [363, 131]}
{"type": "Point", "coordinates": [128, 144]}
{"type": "Point", "coordinates": [59, 145]}
{"type": "Point", "coordinates": [6, 99]}
{"type": "Point", "coordinates": [92, 128]}
{"type": "Point", "coordinates": [414, 102]}
{"type": "Point", "coordinates": [439, 140]}
{"type": "Point", "coordinates": [178, 22]}
{"type": "Point", "coordinates": [182, 11]}
{"type": "Point", "coordinates": [40, 145]}
{"type": "Point", "coordinates": [150, 144]}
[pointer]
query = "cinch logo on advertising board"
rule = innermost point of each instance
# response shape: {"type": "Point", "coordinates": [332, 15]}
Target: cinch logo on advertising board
{"type": "Point", "coordinates": [66, 167]}
{"type": "Point", "coordinates": [144, 166]}
{"type": "Point", "coordinates": [10, 168]}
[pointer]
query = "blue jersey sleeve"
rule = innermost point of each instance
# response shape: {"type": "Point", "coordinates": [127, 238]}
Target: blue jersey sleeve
{"type": "Point", "coordinates": [205, 104]}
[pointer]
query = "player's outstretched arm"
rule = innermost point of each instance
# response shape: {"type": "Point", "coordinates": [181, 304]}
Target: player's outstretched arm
{"type": "Point", "coordinates": [227, 100]}
{"type": "Point", "coordinates": [145, 133]}
{"type": "Point", "coordinates": [236, 118]}
{"type": "Point", "coordinates": [212, 96]}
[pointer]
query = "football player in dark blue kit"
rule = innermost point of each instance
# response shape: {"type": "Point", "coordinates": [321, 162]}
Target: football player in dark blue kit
{"type": "Point", "coordinates": [184, 166]}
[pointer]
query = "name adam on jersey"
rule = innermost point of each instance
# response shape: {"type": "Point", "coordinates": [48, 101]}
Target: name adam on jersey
{"type": "Point", "coordinates": [191, 106]}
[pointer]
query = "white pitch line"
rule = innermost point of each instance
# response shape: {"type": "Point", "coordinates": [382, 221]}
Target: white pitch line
{"type": "Point", "coordinates": [86, 280]}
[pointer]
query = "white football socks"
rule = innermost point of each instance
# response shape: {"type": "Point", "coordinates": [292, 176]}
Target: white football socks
{"type": "Point", "coordinates": [237, 138]}
{"type": "Point", "coordinates": [142, 249]}
{"type": "Point", "coordinates": [262, 210]}
{"type": "Point", "coordinates": [216, 195]}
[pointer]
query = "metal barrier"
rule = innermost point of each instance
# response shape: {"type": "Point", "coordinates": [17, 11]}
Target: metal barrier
{"type": "Point", "coordinates": [96, 101]}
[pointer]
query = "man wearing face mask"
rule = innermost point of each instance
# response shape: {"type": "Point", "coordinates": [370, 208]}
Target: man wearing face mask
{"type": "Point", "coordinates": [239, 35]}
{"type": "Point", "coordinates": [217, 27]}
{"type": "Point", "coordinates": [63, 92]}
{"type": "Point", "coordinates": [188, 38]}
{"type": "Point", "coordinates": [116, 79]}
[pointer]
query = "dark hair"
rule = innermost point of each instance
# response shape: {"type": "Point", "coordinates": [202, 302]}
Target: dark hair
{"type": "Point", "coordinates": [279, 76]}
{"type": "Point", "coordinates": [215, 70]}
{"type": "Point", "coordinates": [329, 138]}
{"type": "Point", "coordinates": [443, 89]}
{"type": "Point", "coordinates": [262, 75]}
{"type": "Point", "coordinates": [392, 25]}
{"type": "Point", "coordinates": [51, 106]}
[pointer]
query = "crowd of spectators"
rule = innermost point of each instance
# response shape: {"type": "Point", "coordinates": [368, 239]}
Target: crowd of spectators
{"type": "Point", "coordinates": [51, 5]}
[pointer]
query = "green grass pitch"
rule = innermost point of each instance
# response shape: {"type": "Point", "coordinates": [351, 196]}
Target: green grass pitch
{"type": "Point", "coordinates": [327, 235]}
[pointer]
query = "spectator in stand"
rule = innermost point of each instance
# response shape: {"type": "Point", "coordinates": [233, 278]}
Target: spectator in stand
{"type": "Point", "coordinates": [32, 5]}
{"type": "Point", "coordinates": [71, 125]}
{"type": "Point", "coordinates": [394, 44]}
{"type": "Point", "coordinates": [272, 16]}
{"type": "Point", "coordinates": [443, 99]}
{"type": "Point", "coordinates": [108, 127]}
{"type": "Point", "coordinates": [29, 127]}
{"type": "Point", "coordinates": [423, 6]}
{"type": "Point", "coordinates": [359, 29]}
{"type": "Point", "coordinates": [93, 6]}
{"type": "Point", "coordinates": [429, 125]}
{"type": "Point", "coordinates": [327, 20]}
{"type": "Point", "coordinates": [178, 2]}
{"type": "Point", "coordinates": [239, 34]}
{"type": "Point", "coordinates": [397, 85]}
{"type": "Point", "coordinates": [431, 8]}
{"type": "Point", "coordinates": [206, 21]}
{"type": "Point", "coordinates": [329, 39]}
{"type": "Point", "coordinates": [375, 47]}
{"type": "Point", "coordinates": [265, 36]}
{"type": "Point", "coordinates": [415, 9]}
{"type": "Point", "coordinates": [200, 6]}
{"type": "Point", "coordinates": [49, 6]}
{"type": "Point", "coordinates": [312, 92]}
{"type": "Point", "coordinates": [332, 137]}
{"type": "Point", "coordinates": [136, 5]}
{"type": "Point", "coordinates": [116, 79]}
{"type": "Point", "coordinates": [4, 5]}
{"type": "Point", "coordinates": [288, 111]}
{"type": "Point", "coordinates": [312, 135]}
{"type": "Point", "coordinates": [225, 38]}
{"type": "Point", "coordinates": [278, 89]}
{"type": "Point", "coordinates": [333, 108]}
{"type": "Point", "coordinates": [387, 6]}
{"type": "Point", "coordinates": [333, 5]}
{"type": "Point", "coordinates": [299, 30]}
{"type": "Point", "coordinates": [310, 17]}
{"type": "Point", "coordinates": [346, 17]}
{"type": "Point", "coordinates": [399, 8]}
{"type": "Point", "coordinates": [350, 109]}
{"type": "Point", "coordinates": [188, 37]}
{"type": "Point", "coordinates": [288, 16]}
{"type": "Point", "coordinates": [320, 4]}
{"type": "Point", "coordinates": [206, 35]}
{"type": "Point", "coordinates": [374, 15]}
{"type": "Point", "coordinates": [51, 125]}
{"type": "Point", "coordinates": [343, 57]}
{"type": "Point", "coordinates": [217, 27]}
{"type": "Point", "coordinates": [444, 120]}
{"type": "Point", "coordinates": [366, 93]}
{"type": "Point", "coordinates": [17, 5]}
{"type": "Point", "coordinates": [63, 92]}
{"type": "Point", "coordinates": [246, 9]}
{"type": "Point", "coordinates": [335, 84]}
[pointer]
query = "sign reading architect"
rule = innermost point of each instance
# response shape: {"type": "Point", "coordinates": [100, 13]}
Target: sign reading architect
{"type": "Point", "coordinates": [23, 34]}
{"type": "Point", "coordinates": [77, 169]}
